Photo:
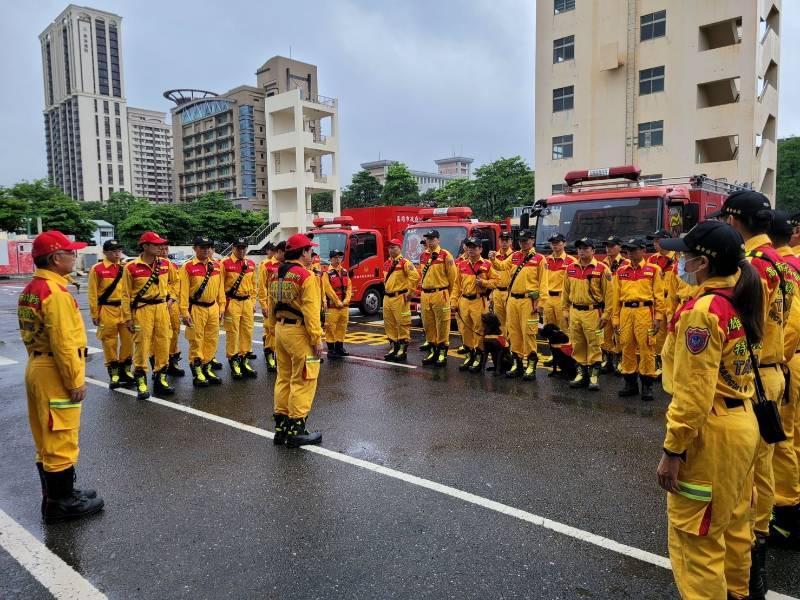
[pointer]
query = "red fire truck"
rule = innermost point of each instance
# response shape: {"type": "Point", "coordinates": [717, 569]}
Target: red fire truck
{"type": "Point", "coordinates": [598, 203]}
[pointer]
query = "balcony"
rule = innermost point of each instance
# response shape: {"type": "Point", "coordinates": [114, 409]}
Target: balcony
{"type": "Point", "coordinates": [716, 150]}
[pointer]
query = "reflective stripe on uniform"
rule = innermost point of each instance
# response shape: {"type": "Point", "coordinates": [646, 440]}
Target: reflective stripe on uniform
{"type": "Point", "coordinates": [63, 403]}
{"type": "Point", "coordinates": [694, 491]}
{"type": "Point", "coordinates": [312, 359]}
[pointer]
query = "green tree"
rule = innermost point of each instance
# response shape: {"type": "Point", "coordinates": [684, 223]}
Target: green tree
{"type": "Point", "coordinates": [456, 192]}
{"type": "Point", "coordinates": [210, 203]}
{"type": "Point", "coordinates": [428, 198]}
{"type": "Point", "coordinates": [56, 209]}
{"type": "Point", "coordinates": [142, 218]}
{"type": "Point", "coordinates": [121, 205]}
{"type": "Point", "coordinates": [177, 225]}
{"type": "Point", "coordinates": [12, 212]}
{"type": "Point", "coordinates": [501, 185]}
{"type": "Point", "coordinates": [787, 190]}
{"type": "Point", "coordinates": [363, 191]}
{"type": "Point", "coordinates": [322, 202]}
{"type": "Point", "coordinates": [400, 188]}
{"type": "Point", "coordinates": [95, 210]}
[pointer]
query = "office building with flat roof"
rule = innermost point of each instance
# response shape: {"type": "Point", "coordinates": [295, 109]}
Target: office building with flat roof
{"type": "Point", "coordinates": [150, 138]}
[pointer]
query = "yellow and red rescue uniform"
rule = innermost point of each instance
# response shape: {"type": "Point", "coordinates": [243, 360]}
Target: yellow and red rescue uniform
{"type": "Point", "coordinates": [204, 309]}
{"type": "Point", "coordinates": [52, 330]}
{"type": "Point", "coordinates": [266, 270]}
{"type": "Point", "coordinates": [677, 292]}
{"type": "Point", "coordinates": [459, 323]}
{"type": "Point", "coordinates": [240, 293]}
{"type": "Point", "coordinates": [551, 304]}
{"type": "Point", "coordinates": [586, 299]}
{"type": "Point", "coordinates": [638, 300]}
{"type": "Point", "coordinates": [294, 296]}
{"type": "Point", "coordinates": [338, 289]}
{"type": "Point", "coordinates": [437, 280]}
{"type": "Point", "coordinates": [106, 308]}
{"type": "Point", "coordinates": [400, 279]}
{"type": "Point", "coordinates": [145, 289]}
{"type": "Point", "coordinates": [173, 308]}
{"type": "Point", "coordinates": [610, 339]}
{"type": "Point", "coordinates": [666, 263]}
{"type": "Point", "coordinates": [500, 293]}
{"type": "Point", "coordinates": [469, 299]}
{"type": "Point", "coordinates": [763, 256]}
{"type": "Point", "coordinates": [527, 283]}
{"type": "Point", "coordinates": [711, 425]}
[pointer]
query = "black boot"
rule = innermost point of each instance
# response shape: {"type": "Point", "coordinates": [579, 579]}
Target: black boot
{"type": "Point", "coordinates": [581, 377]}
{"type": "Point", "coordinates": [172, 368]}
{"type": "Point", "coordinates": [441, 356]}
{"type": "Point", "coordinates": [215, 364]}
{"type": "Point", "coordinates": [647, 388]}
{"type": "Point", "coordinates": [62, 500]}
{"type": "Point", "coordinates": [340, 349]}
{"type": "Point", "coordinates": [758, 568]}
{"type": "Point", "coordinates": [530, 370]}
{"type": "Point", "coordinates": [332, 350]}
{"type": "Point", "coordinates": [211, 376]}
{"type": "Point", "coordinates": [607, 366]}
{"type": "Point", "coordinates": [126, 372]}
{"type": "Point", "coordinates": [402, 351]}
{"type": "Point", "coordinates": [298, 435]}
{"type": "Point", "coordinates": [247, 369]}
{"type": "Point", "coordinates": [251, 355]}
{"type": "Point", "coordinates": [616, 361]}
{"type": "Point", "coordinates": [549, 362]}
{"type": "Point", "coordinates": [631, 386]}
{"type": "Point", "coordinates": [114, 380]}
{"type": "Point", "coordinates": [89, 493]}
{"type": "Point", "coordinates": [426, 346]}
{"type": "Point", "coordinates": [152, 360]}
{"type": "Point", "coordinates": [462, 350]}
{"type": "Point", "coordinates": [236, 367]}
{"type": "Point", "coordinates": [479, 362]}
{"type": "Point", "coordinates": [198, 374]}
{"type": "Point", "coordinates": [269, 356]}
{"type": "Point", "coordinates": [161, 383]}
{"type": "Point", "coordinates": [516, 367]}
{"type": "Point", "coordinates": [140, 381]}
{"type": "Point", "coordinates": [784, 527]}
{"type": "Point", "coordinates": [464, 366]}
{"type": "Point", "coordinates": [430, 358]}
{"type": "Point", "coordinates": [281, 429]}
{"type": "Point", "coordinates": [395, 348]}
{"type": "Point", "coordinates": [594, 377]}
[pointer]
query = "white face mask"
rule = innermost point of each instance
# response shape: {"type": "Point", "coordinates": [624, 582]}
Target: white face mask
{"type": "Point", "coordinates": [690, 278]}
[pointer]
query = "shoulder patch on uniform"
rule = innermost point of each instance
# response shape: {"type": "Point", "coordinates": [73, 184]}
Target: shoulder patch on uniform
{"type": "Point", "coordinates": [697, 339]}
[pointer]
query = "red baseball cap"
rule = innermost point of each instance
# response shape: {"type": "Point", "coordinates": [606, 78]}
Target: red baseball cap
{"type": "Point", "coordinates": [53, 241]}
{"type": "Point", "coordinates": [395, 242]}
{"type": "Point", "coordinates": [297, 241]}
{"type": "Point", "coordinates": [151, 237]}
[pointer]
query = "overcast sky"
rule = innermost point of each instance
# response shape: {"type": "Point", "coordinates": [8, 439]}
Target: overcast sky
{"type": "Point", "coordinates": [417, 80]}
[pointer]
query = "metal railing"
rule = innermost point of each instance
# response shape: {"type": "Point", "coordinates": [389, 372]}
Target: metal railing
{"type": "Point", "coordinates": [323, 100]}
{"type": "Point", "coordinates": [254, 239]}
{"type": "Point", "coordinates": [694, 181]}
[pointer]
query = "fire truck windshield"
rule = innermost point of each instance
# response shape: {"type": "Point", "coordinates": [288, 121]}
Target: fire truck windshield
{"type": "Point", "coordinates": [450, 238]}
{"type": "Point", "coordinates": [598, 219]}
{"type": "Point", "coordinates": [327, 242]}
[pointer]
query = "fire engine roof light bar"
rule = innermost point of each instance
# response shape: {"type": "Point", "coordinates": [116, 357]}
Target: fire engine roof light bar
{"type": "Point", "coordinates": [460, 212]}
{"type": "Point", "coordinates": [629, 172]}
{"type": "Point", "coordinates": [320, 221]}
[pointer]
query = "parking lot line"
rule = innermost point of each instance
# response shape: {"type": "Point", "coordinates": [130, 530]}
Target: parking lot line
{"type": "Point", "coordinates": [6, 361]}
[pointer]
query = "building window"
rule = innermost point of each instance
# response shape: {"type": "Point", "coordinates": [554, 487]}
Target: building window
{"type": "Point", "coordinates": [116, 108]}
{"type": "Point", "coordinates": [119, 152]}
{"type": "Point", "coordinates": [564, 49]}
{"type": "Point", "coordinates": [105, 107]}
{"type": "Point", "coordinates": [653, 25]}
{"type": "Point", "coordinates": [121, 174]}
{"type": "Point", "coordinates": [651, 81]}
{"type": "Point", "coordinates": [562, 147]}
{"type": "Point", "coordinates": [110, 177]}
{"type": "Point", "coordinates": [563, 98]}
{"type": "Point", "coordinates": [118, 128]}
{"type": "Point", "coordinates": [98, 149]}
{"type": "Point", "coordinates": [558, 188]}
{"type": "Point", "coordinates": [108, 151]}
{"type": "Point", "coordinates": [560, 6]}
{"type": "Point", "coordinates": [99, 173]}
{"type": "Point", "coordinates": [651, 134]}
{"type": "Point", "coordinates": [107, 124]}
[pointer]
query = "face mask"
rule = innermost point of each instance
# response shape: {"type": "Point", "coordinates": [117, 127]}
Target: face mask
{"type": "Point", "coordinates": [687, 277]}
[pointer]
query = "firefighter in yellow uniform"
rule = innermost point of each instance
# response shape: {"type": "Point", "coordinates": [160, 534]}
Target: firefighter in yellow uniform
{"type": "Point", "coordinates": [437, 280]}
{"type": "Point", "coordinates": [267, 269]}
{"type": "Point", "coordinates": [556, 264]}
{"type": "Point", "coordinates": [712, 434]}
{"type": "Point", "coordinates": [295, 303]}
{"type": "Point", "coordinates": [500, 293]}
{"type": "Point", "coordinates": [105, 309]}
{"type": "Point", "coordinates": [612, 355]}
{"type": "Point", "coordinates": [527, 283]}
{"type": "Point", "coordinates": [202, 307]}
{"type": "Point", "coordinates": [475, 281]}
{"type": "Point", "coordinates": [145, 288]}
{"type": "Point", "coordinates": [338, 290]}
{"type": "Point", "coordinates": [750, 213]}
{"type": "Point", "coordinates": [174, 314]}
{"type": "Point", "coordinates": [239, 283]}
{"type": "Point", "coordinates": [462, 256]}
{"type": "Point", "coordinates": [637, 312]}
{"type": "Point", "coordinates": [665, 261]}
{"type": "Point", "coordinates": [400, 279]}
{"type": "Point", "coordinates": [52, 330]}
{"type": "Point", "coordinates": [586, 304]}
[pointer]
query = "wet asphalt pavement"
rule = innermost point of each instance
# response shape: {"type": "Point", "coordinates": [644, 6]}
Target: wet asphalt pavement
{"type": "Point", "coordinates": [202, 509]}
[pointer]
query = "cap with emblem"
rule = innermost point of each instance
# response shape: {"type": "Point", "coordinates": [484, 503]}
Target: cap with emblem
{"type": "Point", "coordinates": [781, 224]}
{"type": "Point", "coordinates": [661, 234]}
{"type": "Point", "coordinates": [505, 235]}
{"type": "Point", "coordinates": [433, 233]}
{"type": "Point", "coordinates": [744, 203]}
{"type": "Point", "coordinates": [713, 239]}
{"type": "Point", "coordinates": [298, 241]}
{"type": "Point", "coordinates": [613, 240]}
{"type": "Point", "coordinates": [395, 242]}
{"type": "Point", "coordinates": [53, 241]}
{"type": "Point", "coordinates": [335, 253]}
{"type": "Point", "coordinates": [795, 219]}
{"type": "Point", "coordinates": [557, 237]}
{"type": "Point", "coordinates": [635, 243]}
{"type": "Point", "coordinates": [202, 241]}
{"type": "Point", "coordinates": [585, 242]}
{"type": "Point", "coordinates": [151, 237]}
{"type": "Point", "coordinates": [525, 235]}
{"type": "Point", "coordinates": [472, 242]}
{"type": "Point", "coordinates": [111, 246]}
{"type": "Point", "coordinates": [240, 242]}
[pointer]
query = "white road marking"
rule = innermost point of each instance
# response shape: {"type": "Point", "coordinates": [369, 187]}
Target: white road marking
{"type": "Point", "coordinates": [93, 350]}
{"type": "Point", "coordinates": [567, 530]}
{"type": "Point", "coordinates": [4, 362]}
{"type": "Point", "coordinates": [48, 569]}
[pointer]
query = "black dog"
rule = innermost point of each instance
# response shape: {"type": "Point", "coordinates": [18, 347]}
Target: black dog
{"type": "Point", "coordinates": [495, 344]}
{"type": "Point", "coordinates": [563, 363]}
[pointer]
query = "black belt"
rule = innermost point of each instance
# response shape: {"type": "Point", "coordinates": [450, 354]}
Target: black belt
{"type": "Point", "coordinates": [203, 304]}
{"type": "Point", "coordinates": [767, 365]}
{"type": "Point", "coordinates": [505, 289]}
{"type": "Point", "coordinates": [393, 294]}
{"type": "Point", "coordinates": [588, 307]}
{"type": "Point", "coordinates": [733, 402]}
{"type": "Point", "coordinates": [470, 296]}
{"type": "Point", "coordinates": [518, 296]}
{"type": "Point", "coordinates": [239, 298]}
{"type": "Point", "coordinates": [553, 293]}
{"type": "Point", "coordinates": [150, 301]}
{"type": "Point", "coordinates": [289, 321]}
{"type": "Point", "coordinates": [110, 303]}
{"type": "Point", "coordinates": [82, 353]}
{"type": "Point", "coordinates": [439, 289]}
{"type": "Point", "coordinates": [637, 304]}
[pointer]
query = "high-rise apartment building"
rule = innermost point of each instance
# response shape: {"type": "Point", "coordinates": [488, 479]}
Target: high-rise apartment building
{"type": "Point", "coordinates": [677, 88]}
{"type": "Point", "coordinates": [219, 140]}
{"type": "Point", "coordinates": [85, 114]}
{"type": "Point", "coordinates": [150, 138]}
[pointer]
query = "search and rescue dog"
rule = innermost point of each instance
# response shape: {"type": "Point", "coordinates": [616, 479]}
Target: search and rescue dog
{"type": "Point", "coordinates": [561, 351]}
{"type": "Point", "coordinates": [495, 345]}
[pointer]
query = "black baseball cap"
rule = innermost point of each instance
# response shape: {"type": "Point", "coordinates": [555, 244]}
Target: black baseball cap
{"type": "Point", "coordinates": [661, 234]}
{"type": "Point", "coordinates": [585, 241]}
{"type": "Point", "coordinates": [241, 242]}
{"type": "Point", "coordinates": [505, 235]}
{"type": "Point", "coordinates": [335, 253]}
{"type": "Point", "coordinates": [714, 239]}
{"type": "Point", "coordinates": [280, 246]}
{"type": "Point", "coordinates": [744, 203]}
{"type": "Point", "coordinates": [613, 241]}
{"type": "Point", "coordinates": [433, 233]}
{"type": "Point", "coordinates": [795, 219]}
{"type": "Point", "coordinates": [525, 234]}
{"type": "Point", "coordinates": [781, 223]}
{"type": "Point", "coordinates": [202, 241]}
{"type": "Point", "coordinates": [557, 237]}
{"type": "Point", "coordinates": [269, 246]}
{"type": "Point", "coordinates": [472, 241]}
{"type": "Point", "coordinates": [111, 245]}
{"type": "Point", "coordinates": [636, 243]}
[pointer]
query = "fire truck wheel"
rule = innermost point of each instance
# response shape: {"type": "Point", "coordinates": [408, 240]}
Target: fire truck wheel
{"type": "Point", "coordinates": [371, 302]}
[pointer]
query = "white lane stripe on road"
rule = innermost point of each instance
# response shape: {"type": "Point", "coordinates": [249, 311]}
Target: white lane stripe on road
{"type": "Point", "coordinates": [48, 569]}
{"type": "Point", "coordinates": [4, 362]}
{"type": "Point", "coordinates": [567, 530]}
